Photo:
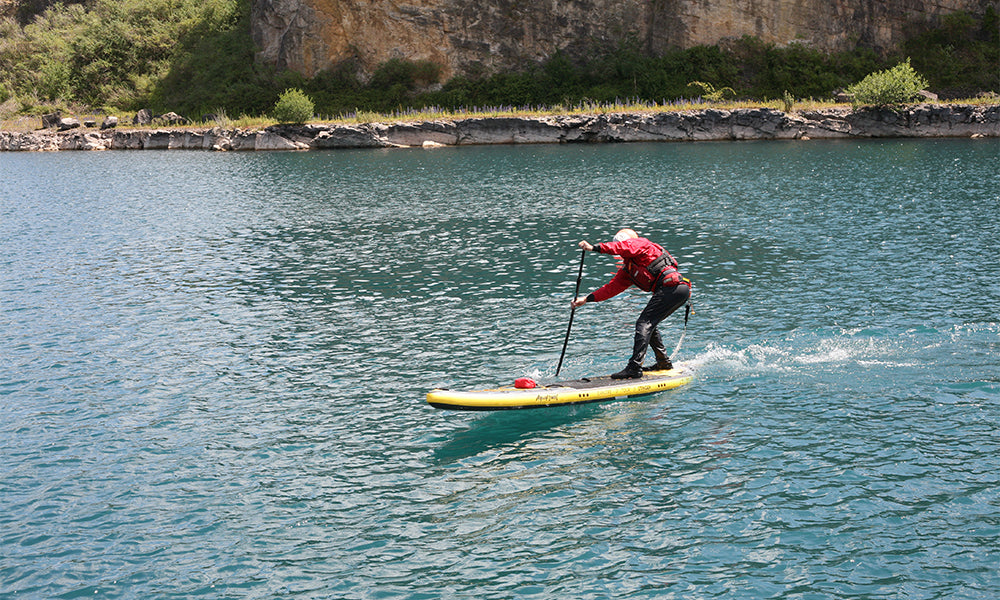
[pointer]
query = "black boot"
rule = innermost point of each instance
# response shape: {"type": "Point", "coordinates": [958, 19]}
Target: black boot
{"type": "Point", "coordinates": [662, 364]}
{"type": "Point", "coordinates": [631, 371]}
{"type": "Point", "coordinates": [660, 351]}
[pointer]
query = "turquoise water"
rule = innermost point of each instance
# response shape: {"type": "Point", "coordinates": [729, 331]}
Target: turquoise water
{"type": "Point", "coordinates": [213, 368]}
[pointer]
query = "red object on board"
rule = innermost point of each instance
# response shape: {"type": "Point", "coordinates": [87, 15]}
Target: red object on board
{"type": "Point", "coordinates": [524, 383]}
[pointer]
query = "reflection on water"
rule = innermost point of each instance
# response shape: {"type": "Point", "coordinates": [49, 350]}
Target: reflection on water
{"type": "Point", "coordinates": [214, 367]}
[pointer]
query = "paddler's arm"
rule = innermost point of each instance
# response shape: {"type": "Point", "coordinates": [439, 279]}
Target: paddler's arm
{"type": "Point", "coordinates": [618, 284]}
{"type": "Point", "coordinates": [622, 248]}
{"type": "Point", "coordinates": [599, 248]}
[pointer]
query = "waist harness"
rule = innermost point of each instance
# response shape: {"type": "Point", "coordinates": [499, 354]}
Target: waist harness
{"type": "Point", "coordinates": [664, 270]}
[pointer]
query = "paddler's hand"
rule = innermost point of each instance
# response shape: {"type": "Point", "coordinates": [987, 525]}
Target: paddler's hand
{"type": "Point", "coordinates": [578, 302]}
{"type": "Point", "coordinates": [586, 246]}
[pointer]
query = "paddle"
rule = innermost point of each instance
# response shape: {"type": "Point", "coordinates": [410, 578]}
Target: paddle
{"type": "Point", "coordinates": [579, 276]}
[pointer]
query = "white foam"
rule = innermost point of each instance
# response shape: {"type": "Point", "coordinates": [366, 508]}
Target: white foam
{"type": "Point", "coordinates": [796, 353]}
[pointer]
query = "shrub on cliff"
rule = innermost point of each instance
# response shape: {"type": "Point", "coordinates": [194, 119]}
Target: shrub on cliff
{"type": "Point", "coordinates": [891, 87]}
{"type": "Point", "coordinates": [293, 106]}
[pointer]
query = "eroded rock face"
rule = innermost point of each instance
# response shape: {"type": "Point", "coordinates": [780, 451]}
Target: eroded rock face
{"type": "Point", "coordinates": [975, 121]}
{"type": "Point", "coordinates": [488, 36]}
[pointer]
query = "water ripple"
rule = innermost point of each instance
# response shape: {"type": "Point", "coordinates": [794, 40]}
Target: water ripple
{"type": "Point", "coordinates": [213, 384]}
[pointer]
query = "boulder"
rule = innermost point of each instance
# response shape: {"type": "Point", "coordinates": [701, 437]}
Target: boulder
{"type": "Point", "coordinates": [927, 96]}
{"type": "Point", "coordinates": [90, 122]}
{"type": "Point", "coordinates": [109, 122]}
{"type": "Point", "coordinates": [67, 123]}
{"type": "Point", "coordinates": [143, 117]}
{"type": "Point", "coordinates": [170, 118]}
{"type": "Point", "coordinates": [51, 120]}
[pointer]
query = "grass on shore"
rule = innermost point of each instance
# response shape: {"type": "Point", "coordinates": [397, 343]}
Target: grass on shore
{"type": "Point", "coordinates": [25, 123]}
{"type": "Point", "coordinates": [434, 113]}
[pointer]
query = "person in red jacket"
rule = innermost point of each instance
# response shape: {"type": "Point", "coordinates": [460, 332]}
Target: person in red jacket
{"type": "Point", "coordinates": [650, 268]}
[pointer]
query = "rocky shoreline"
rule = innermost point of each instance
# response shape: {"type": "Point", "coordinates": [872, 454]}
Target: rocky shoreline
{"type": "Point", "coordinates": [925, 120]}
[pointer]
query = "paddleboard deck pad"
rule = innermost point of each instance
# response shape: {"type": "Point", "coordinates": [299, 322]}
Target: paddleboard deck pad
{"type": "Point", "coordinates": [577, 391]}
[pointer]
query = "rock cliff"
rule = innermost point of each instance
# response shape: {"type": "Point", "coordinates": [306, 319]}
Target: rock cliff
{"type": "Point", "coordinates": [486, 36]}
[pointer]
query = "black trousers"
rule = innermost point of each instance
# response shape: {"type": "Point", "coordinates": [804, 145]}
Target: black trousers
{"type": "Point", "coordinates": [665, 300]}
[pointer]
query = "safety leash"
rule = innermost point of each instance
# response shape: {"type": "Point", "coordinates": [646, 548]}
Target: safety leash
{"type": "Point", "coordinates": [687, 313]}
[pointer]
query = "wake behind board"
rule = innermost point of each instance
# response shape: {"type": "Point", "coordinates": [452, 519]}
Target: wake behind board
{"type": "Point", "coordinates": [577, 391]}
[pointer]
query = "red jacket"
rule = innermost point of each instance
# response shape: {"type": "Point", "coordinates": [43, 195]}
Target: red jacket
{"type": "Point", "coordinates": [638, 254]}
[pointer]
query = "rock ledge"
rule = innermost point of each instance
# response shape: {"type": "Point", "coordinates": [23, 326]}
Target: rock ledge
{"type": "Point", "coordinates": [925, 120]}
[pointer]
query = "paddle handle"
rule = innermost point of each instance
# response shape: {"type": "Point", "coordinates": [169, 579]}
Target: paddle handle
{"type": "Point", "coordinates": [579, 276]}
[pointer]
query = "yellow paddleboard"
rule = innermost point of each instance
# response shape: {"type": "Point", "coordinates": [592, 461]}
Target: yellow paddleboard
{"type": "Point", "coordinates": [577, 391]}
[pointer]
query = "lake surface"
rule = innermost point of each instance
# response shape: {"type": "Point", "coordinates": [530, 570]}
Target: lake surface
{"type": "Point", "coordinates": [213, 369]}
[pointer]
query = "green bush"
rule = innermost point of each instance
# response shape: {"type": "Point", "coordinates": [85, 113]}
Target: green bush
{"type": "Point", "coordinates": [293, 106]}
{"type": "Point", "coordinates": [891, 87]}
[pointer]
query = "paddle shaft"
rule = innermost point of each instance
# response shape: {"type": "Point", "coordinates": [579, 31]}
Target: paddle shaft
{"type": "Point", "coordinates": [579, 276]}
